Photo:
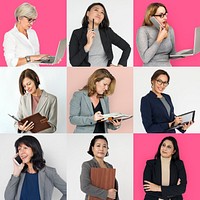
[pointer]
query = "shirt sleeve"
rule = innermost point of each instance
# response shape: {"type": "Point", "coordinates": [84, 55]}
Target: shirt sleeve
{"type": "Point", "coordinates": [146, 52]}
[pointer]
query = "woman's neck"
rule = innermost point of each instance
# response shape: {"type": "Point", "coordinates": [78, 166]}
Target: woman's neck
{"type": "Point", "coordinates": [21, 29]}
{"type": "Point", "coordinates": [37, 93]}
{"type": "Point", "coordinates": [30, 168]}
{"type": "Point", "coordinates": [96, 26]}
{"type": "Point", "coordinates": [100, 162]}
{"type": "Point", "coordinates": [159, 95]}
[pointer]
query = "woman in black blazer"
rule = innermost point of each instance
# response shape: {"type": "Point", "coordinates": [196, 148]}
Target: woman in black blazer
{"type": "Point", "coordinates": [165, 176]}
{"type": "Point", "coordinates": [157, 109]}
{"type": "Point", "coordinates": [91, 45]}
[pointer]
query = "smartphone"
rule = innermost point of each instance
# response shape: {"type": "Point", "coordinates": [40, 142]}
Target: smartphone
{"type": "Point", "coordinates": [18, 160]}
{"type": "Point", "coordinates": [156, 23]}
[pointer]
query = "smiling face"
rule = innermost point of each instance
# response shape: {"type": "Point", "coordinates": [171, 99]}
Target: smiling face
{"type": "Point", "coordinates": [167, 149]}
{"type": "Point", "coordinates": [29, 86]}
{"type": "Point", "coordinates": [161, 16]}
{"type": "Point", "coordinates": [25, 153]}
{"type": "Point", "coordinates": [102, 85]}
{"type": "Point", "coordinates": [96, 13]}
{"type": "Point", "coordinates": [159, 84]}
{"type": "Point", "coordinates": [100, 149]}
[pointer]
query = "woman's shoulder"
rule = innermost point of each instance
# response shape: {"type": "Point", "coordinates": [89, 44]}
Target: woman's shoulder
{"type": "Point", "coordinates": [79, 30]}
{"type": "Point", "coordinates": [151, 162]}
{"type": "Point", "coordinates": [145, 29]}
{"type": "Point", "coordinates": [51, 96]}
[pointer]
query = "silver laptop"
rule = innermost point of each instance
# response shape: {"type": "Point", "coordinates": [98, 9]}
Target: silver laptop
{"type": "Point", "coordinates": [190, 52]}
{"type": "Point", "coordinates": [59, 54]}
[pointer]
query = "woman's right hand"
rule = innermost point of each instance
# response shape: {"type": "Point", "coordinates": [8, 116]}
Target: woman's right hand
{"type": "Point", "coordinates": [26, 126]}
{"type": "Point", "coordinates": [178, 120]}
{"type": "Point", "coordinates": [38, 57]}
{"type": "Point", "coordinates": [112, 193]}
{"type": "Point", "coordinates": [98, 116]}
{"type": "Point", "coordinates": [163, 33]}
{"type": "Point", "coordinates": [17, 168]}
{"type": "Point", "coordinates": [90, 37]}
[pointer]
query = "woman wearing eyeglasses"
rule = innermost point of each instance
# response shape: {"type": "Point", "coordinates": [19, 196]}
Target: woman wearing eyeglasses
{"type": "Point", "coordinates": [21, 45]}
{"type": "Point", "coordinates": [157, 109]}
{"type": "Point", "coordinates": [155, 45]}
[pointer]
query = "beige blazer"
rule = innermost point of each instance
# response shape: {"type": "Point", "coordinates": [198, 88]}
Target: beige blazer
{"type": "Point", "coordinates": [47, 107]}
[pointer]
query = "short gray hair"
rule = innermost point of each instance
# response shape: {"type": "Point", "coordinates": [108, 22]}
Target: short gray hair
{"type": "Point", "coordinates": [26, 10]}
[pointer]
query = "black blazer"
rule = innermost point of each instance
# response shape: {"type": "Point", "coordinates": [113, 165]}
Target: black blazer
{"type": "Point", "coordinates": [78, 56]}
{"type": "Point", "coordinates": [152, 173]}
{"type": "Point", "coordinates": [154, 114]}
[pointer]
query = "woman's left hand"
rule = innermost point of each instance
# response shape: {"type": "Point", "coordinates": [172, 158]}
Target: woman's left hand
{"type": "Point", "coordinates": [187, 125]}
{"type": "Point", "coordinates": [116, 123]}
{"type": "Point", "coordinates": [149, 186]}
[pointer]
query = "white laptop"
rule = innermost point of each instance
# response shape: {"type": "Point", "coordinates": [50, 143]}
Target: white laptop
{"type": "Point", "coordinates": [190, 52]}
{"type": "Point", "coordinates": [59, 54]}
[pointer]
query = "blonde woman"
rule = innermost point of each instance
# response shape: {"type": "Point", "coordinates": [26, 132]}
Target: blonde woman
{"type": "Point", "coordinates": [21, 44]}
{"type": "Point", "coordinates": [88, 105]}
{"type": "Point", "coordinates": [155, 45]}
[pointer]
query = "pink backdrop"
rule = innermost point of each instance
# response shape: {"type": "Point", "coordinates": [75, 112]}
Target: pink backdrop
{"type": "Point", "coordinates": [183, 16]}
{"type": "Point", "coordinates": [145, 148]}
{"type": "Point", "coordinates": [50, 25]}
{"type": "Point", "coordinates": [120, 101]}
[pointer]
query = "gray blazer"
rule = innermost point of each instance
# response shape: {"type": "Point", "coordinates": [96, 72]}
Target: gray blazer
{"type": "Point", "coordinates": [82, 114]}
{"type": "Point", "coordinates": [85, 181]}
{"type": "Point", "coordinates": [47, 107]}
{"type": "Point", "coordinates": [48, 179]}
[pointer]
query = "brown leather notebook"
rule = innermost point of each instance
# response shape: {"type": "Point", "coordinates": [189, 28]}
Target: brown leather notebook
{"type": "Point", "coordinates": [103, 178]}
{"type": "Point", "coordinates": [40, 122]}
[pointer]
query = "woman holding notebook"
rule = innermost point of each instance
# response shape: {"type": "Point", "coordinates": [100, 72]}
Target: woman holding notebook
{"type": "Point", "coordinates": [91, 45]}
{"type": "Point", "coordinates": [98, 150]}
{"type": "Point", "coordinates": [35, 100]}
{"type": "Point", "coordinates": [157, 109]}
{"type": "Point", "coordinates": [88, 105]}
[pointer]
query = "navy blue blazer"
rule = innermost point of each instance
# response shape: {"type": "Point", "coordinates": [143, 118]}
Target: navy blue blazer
{"type": "Point", "coordinates": [152, 173]}
{"type": "Point", "coordinates": [154, 114]}
{"type": "Point", "coordinates": [78, 56]}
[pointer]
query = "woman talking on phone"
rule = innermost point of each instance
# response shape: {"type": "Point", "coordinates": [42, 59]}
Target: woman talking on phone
{"type": "Point", "coordinates": [155, 43]}
{"type": "Point", "coordinates": [91, 45]}
{"type": "Point", "coordinates": [32, 179]}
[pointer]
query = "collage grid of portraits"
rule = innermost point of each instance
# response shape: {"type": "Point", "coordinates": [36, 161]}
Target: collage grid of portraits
{"type": "Point", "coordinates": [129, 145]}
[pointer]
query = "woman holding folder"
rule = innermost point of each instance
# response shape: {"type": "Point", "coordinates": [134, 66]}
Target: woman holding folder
{"type": "Point", "coordinates": [165, 176]}
{"type": "Point", "coordinates": [91, 45]}
{"type": "Point", "coordinates": [32, 179]}
{"type": "Point", "coordinates": [88, 105]}
{"type": "Point", "coordinates": [34, 100]}
{"type": "Point", "coordinates": [98, 150]}
{"type": "Point", "coordinates": [157, 109]}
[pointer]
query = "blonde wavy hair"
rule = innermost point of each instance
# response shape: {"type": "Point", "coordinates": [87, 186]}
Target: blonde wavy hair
{"type": "Point", "coordinates": [97, 76]}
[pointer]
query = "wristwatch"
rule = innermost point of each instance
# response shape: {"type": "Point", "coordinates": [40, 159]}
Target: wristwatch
{"type": "Point", "coordinates": [28, 59]}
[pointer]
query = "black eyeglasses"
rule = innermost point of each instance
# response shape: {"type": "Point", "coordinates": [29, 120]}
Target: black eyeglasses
{"type": "Point", "coordinates": [161, 15]}
{"type": "Point", "coordinates": [30, 20]}
{"type": "Point", "coordinates": [164, 83]}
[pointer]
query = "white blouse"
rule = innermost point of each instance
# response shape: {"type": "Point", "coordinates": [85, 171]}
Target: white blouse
{"type": "Point", "coordinates": [17, 45]}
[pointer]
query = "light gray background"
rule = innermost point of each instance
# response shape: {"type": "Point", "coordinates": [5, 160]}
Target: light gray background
{"type": "Point", "coordinates": [52, 80]}
{"type": "Point", "coordinates": [54, 147]}
{"type": "Point", "coordinates": [120, 14]}
{"type": "Point", "coordinates": [120, 156]}
{"type": "Point", "coordinates": [183, 89]}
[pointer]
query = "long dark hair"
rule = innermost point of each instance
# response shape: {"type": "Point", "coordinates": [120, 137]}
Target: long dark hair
{"type": "Point", "coordinates": [175, 156]}
{"type": "Point", "coordinates": [37, 159]}
{"type": "Point", "coordinates": [104, 24]}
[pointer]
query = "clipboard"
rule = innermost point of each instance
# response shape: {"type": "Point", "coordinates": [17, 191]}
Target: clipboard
{"type": "Point", "coordinates": [40, 122]}
{"type": "Point", "coordinates": [186, 117]}
{"type": "Point", "coordinates": [103, 178]}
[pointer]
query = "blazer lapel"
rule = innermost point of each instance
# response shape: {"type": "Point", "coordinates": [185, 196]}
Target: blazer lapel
{"type": "Point", "coordinates": [41, 179]}
{"type": "Point", "coordinates": [88, 102]}
{"type": "Point", "coordinates": [42, 101]}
